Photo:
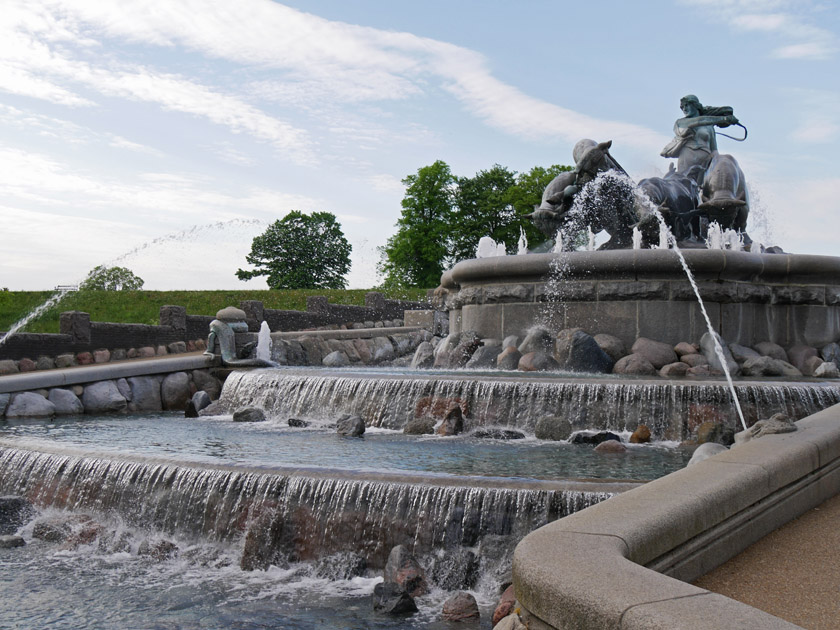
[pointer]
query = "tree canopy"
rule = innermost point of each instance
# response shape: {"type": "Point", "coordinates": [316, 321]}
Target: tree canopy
{"type": "Point", "coordinates": [301, 251]}
{"type": "Point", "coordinates": [102, 278]}
{"type": "Point", "coordinates": [415, 255]}
{"type": "Point", "coordinates": [444, 216]}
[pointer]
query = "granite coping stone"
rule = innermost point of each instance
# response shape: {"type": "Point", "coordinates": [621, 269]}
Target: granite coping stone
{"type": "Point", "coordinates": [104, 372]}
{"type": "Point", "coordinates": [586, 570]}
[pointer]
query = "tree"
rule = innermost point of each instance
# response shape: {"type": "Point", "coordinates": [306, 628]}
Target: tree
{"type": "Point", "coordinates": [483, 208]}
{"type": "Point", "coordinates": [301, 252]}
{"type": "Point", "coordinates": [417, 254]}
{"type": "Point", "coordinates": [102, 278]}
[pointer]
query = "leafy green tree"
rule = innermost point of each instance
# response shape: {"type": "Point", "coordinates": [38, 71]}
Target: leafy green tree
{"type": "Point", "coordinates": [102, 278]}
{"type": "Point", "coordinates": [527, 193]}
{"type": "Point", "coordinates": [417, 254]}
{"type": "Point", "coordinates": [301, 251]}
{"type": "Point", "coordinates": [483, 208]}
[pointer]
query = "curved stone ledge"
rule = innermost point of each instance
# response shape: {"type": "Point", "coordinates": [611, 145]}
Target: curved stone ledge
{"type": "Point", "coordinates": [706, 264]}
{"type": "Point", "coordinates": [786, 299]}
{"type": "Point", "coordinates": [626, 562]}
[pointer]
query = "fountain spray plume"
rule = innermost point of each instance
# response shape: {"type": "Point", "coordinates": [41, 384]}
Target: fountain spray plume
{"type": "Point", "coordinates": [189, 234]}
{"type": "Point", "coordinates": [715, 338]}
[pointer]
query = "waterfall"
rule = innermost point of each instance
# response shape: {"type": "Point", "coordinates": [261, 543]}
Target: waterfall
{"type": "Point", "coordinates": [316, 515]}
{"type": "Point", "coordinates": [671, 410]}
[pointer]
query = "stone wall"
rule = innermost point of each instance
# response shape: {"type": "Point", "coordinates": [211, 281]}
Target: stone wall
{"type": "Point", "coordinates": [79, 335]}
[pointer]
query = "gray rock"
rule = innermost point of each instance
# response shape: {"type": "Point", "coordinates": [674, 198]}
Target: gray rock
{"type": "Point", "coordinates": [657, 353]}
{"type": "Point", "coordinates": [10, 541]}
{"type": "Point", "coordinates": [207, 382]}
{"type": "Point", "coordinates": [537, 362]}
{"type": "Point", "coordinates": [742, 353]}
{"type": "Point", "coordinates": [553, 428]}
{"type": "Point", "coordinates": [594, 438]}
{"type": "Point", "coordinates": [508, 359]}
{"type": "Point", "coordinates": [705, 451]}
{"type": "Point", "coordinates": [65, 360]}
{"type": "Point", "coordinates": [490, 342]}
{"type": "Point", "coordinates": [177, 347]}
{"type": "Point", "coordinates": [762, 366]}
{"type": "Point", "coordinates": [537, 339]}
{"type": "Point", "coordinates": [612, 345]}
{"type": "Point", "coordinates": [770, 349]}
{"type": "Point", "coordinates": [392, 599]}
{"type": "Point", "coordinates": [403, 569]}
{"type": "Point", "coordinates": [484, 357]}
{"type": "Point", "coordinates": [693, 360]}
{"type": "Point", "coordinates": [7, 366]}
{"type": "Point", "coordinates": [44, 363]}
{"type": "Point", "coordinates": [384, 353]}
{"type": "Point", "coordinates": [453, 423]}
{"type": "Point", "coordinates": [634, 364]}
{"type": "Point", "coordinates": [29, 405]}
{"type": "Point", "coordinates": [175, 391]}
{"type": "Point", "coordinates": [125, 389]}
{"type": "Point", "coordinates": [420, 426]}
{"type": "Point", "coordinates": [468, 343]}
{"type": "Point", "coordinates": [350, 425]}
{"type": "Point", "coordinates": [119, 354]}
{"type": "Point", "coordinates": [577, 351]}
{"type": "Point", "coordinates": [424, 356]}
{"type": "Point", "coordinates": [443, 348]}
{"type": "Point", "coordinates": [66, 402]}
{"type": "Point", "coordinates": [674, 370]}
{"type": "Point", "coordinates": [831, 352]}
{"type": "Point", "coordinates": [789, 371]}
{"type": "Point", "coordinates": [201, 400]}
{"type": "Point", "coordinates": [461, 607]}
{"type": "Point", "coordinates": [335, 359]}
{"type": "Point", "coordinates": [145, 393]}
{"type": "Point", "coordinates": [510, 340]}
{"type": "Point", "coordinates": [249, 414]}
{"type": "Point", "coordinates": [709, 350]}
{"type": "Point", "coordinates": [827, 370]}
{"type": "Point", "coordinates": [799, 354]}
{"type": "Point", "coordinates": [610, 446]}
{"type": "Point", "coordinates": [14, 512]}
{"type": "Point", "coordinates": [684, 347]}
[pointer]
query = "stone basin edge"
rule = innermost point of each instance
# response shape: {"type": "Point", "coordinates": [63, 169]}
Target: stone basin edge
{"type": "Point", "coordinates": [628, 562]}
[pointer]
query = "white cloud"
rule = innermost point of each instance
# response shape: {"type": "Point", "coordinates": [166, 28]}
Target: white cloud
{"type": "Point", "coordinates": [794, 21]}
{"type": "Point", "coordinates": [317, 59]}
{"type": "Point", "coordinates": [815, 116]}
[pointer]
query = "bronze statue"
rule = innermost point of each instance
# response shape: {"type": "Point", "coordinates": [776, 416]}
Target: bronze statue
{"type": "Point", "coordinates": [615, 207]}
{"type": "Point", "coordinates": [695, 138]}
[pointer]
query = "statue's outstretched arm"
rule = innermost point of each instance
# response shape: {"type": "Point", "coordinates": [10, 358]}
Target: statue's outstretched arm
{"type": "Point", "coordinates": [702, 121]}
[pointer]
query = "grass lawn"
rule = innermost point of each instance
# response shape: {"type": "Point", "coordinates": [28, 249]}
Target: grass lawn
{"type": "Point", "coordinates": [143, 307]}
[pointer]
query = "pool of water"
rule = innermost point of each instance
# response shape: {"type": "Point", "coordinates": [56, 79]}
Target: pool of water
{"type": "Point", "coordinates": [218, 440]}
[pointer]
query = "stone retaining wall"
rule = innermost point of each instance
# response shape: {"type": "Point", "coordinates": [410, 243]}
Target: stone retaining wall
{"type": "Point", "coordinates": [181, 332]}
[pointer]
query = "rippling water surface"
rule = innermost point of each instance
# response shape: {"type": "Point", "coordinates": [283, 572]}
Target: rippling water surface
{"type": "Point", "coordinates": [218, 440]}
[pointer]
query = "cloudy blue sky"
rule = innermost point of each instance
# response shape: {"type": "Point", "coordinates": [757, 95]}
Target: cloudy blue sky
{"type": "Point", "coordinates": [163, 134]}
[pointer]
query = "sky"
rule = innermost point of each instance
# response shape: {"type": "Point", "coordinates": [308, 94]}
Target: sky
{"type": "Point", "coordinates": [163, 135]}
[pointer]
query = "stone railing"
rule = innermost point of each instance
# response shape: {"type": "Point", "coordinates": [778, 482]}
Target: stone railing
{"type": "Point", "coordinates": [628, 562]}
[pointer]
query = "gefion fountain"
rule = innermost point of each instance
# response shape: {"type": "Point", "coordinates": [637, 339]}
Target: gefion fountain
{"type": "Point", "coordinates": [204, 522]}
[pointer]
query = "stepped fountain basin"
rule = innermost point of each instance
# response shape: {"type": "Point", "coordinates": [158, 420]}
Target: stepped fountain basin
{"type": "Point", "coordinates": [784, 298]}
{"type": "Point", "coordinates": [389, 398]}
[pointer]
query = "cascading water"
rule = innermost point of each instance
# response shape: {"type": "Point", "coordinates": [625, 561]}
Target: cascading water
{"type": "Point", "coordinates": [194, 232]}
{"type": "Point", "coordinates": [390, 400]}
